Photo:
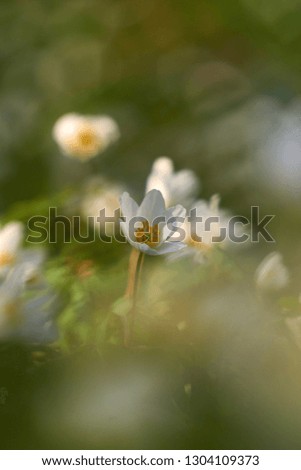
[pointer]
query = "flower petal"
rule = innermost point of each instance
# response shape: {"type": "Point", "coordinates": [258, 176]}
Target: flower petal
{"type": "Point", "coordinates": [170, 247]}
{"type": "Point", "coordinates": [11, 236]}
{"type": "Point", "coordinates": [177, 212]}
{"type": "Point", "coordinates": [163, 166]}
{"type": "Point", "coordinates": [129, 207]}
{"type": "Point", "coordinates": [106, 128]}
{"type": "Point", "coordinates": [185, 186]}
{"type": "Point", "coordinates": [153, 206]}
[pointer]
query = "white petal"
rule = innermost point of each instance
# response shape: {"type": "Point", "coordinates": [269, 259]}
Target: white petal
{"type": "Point", "coordinates": [146, 249]}
{"type": "Point", "coordinates": [125, 229]}
{"type": "Point", "coordinates": [163, 166]}
{"type": "Point", "coordinates": [153, 206]}
{"type": "Point", "coordinates": [130, 236]}
{"type": "Point", "coordinates": [170, 247]}
{"type": "Point", "coordinates": [129, 207]}
{"type": "Point", "coordinates": [13, 284]}
{"type": "Point", "coordinates": [185, 186]}
{"type": "Point", "coordinates": [177, 212]}
{"type": "Point", "coordinates": [160, 177]}
{"type": "Point", "coordinates": [160, 183]}
{"type": "Point", "coordinates": [176, 187]}
{"type": "Point", "coordinates": [11, 236]}
{"type": "Point", "coordinates": [106, 128]}
{"type": "Point", "coordinates": [65, 127]}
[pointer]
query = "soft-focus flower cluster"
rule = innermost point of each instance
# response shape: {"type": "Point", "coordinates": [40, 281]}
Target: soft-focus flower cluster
{"type": "Point", "coordinates": [182, 187]}
{"type": "Point", "coordinates": [83, 137]}
{"type": "Point", "coordinates": [26, 302]}
{"type": "Point", "coordinates": [178, 188]}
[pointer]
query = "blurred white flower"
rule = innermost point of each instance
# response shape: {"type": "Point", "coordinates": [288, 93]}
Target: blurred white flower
{"type": "Point", "coordinates": [11, 238]}
{"type": "Point", "coordinates": [213, 232]}
{"type": "Point", "coordinates": [99, 195]}
{"type": "Point", "coordinates": [202, 236]}
{"type": "Point", "coordinates": [26, 320]}
{"type": "Point", "coordinates": [176, 187]}
{"type": "Point", "coordinates": [12, 254]}
{"type": "Point", "coordinates": [23, 317]}
{"type": "Point", "coordinates": [271, 273]}
{"type": "Point", "coordinates": [149, 235]}
{"type": "Point", "coordinates": [83, 137]}
{"type": "Point", "coordinates": [32, 261]}
{"type": "Point", "coordinates": [10, 292]}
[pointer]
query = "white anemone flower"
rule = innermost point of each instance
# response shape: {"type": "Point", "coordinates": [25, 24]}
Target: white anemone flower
{"type": "Point", "coordinates": [83, 137]}
{"type": "Point", "coordinates": [210, 231]}
{"type": "Point", "coordinates": [272, 274]}
{"type": "Point", "coordinates": [203, 235]}
{"type": "Point", "coordinates": [146, 226]}
{"type": "Point", "coordinates": [11, 238]}
{"type": "Point", "coordinates": [29, 320]}
{"type": "Point", "coordinates": [12, 254]}
{"type": "Point", "coordinates": [176, 187]}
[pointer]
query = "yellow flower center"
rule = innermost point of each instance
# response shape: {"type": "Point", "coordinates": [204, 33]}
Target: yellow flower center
{"type": "Point", "coordinates": [6, 259]}
{"type": "Point", "coordinates": [148, 234]}
{"type": "Point", "coordinates": [86, 138]}
{"type": "Point", "coordinates": [86, 142]}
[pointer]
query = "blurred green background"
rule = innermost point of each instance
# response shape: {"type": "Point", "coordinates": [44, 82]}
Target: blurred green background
{"type": "Point", "coordinates": [216, 86]}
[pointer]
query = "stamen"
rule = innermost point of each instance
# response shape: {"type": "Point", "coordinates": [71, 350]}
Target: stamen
{"type": "Point", "coordinates": [147, 234]}
{"type": "Point", "coordinates": [86, 138]}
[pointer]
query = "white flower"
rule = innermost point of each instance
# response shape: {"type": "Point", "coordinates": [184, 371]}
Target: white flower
{"type": "Point", "coordinates": [32, 261]}
{"type": "Point", "coordinates": [10, 292]}
{"type": "Point", "coordinates": [148, 234]}
{"type": "Point", "coordinates": [210, 231]}
{"type": "Point", "coordinates": [271, 274]}
{"type": "Point", "coordinates": [11, 237]}
{"type": "Point", "coordinates": [28, 320]}
{"type": "Point", "coordinates": [21, 316]}
{"type": "Point", "coordinates": [84, 137]}
{"type": "Point", "coordinates": [99, 195]}
{"type": "Point", "coordinates": [205, 234]}
{"type": "Point", "coordinates": [176, 187]}
{"type": "Point", "coordinates": [12, 254]}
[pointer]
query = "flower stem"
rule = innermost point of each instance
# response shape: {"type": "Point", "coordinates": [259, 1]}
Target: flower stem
{"type": "Point", "coordinates": [134, 275]}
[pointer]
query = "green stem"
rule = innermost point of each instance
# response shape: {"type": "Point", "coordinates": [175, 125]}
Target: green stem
{"type": "Point", "coordinates": [134, 276]}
